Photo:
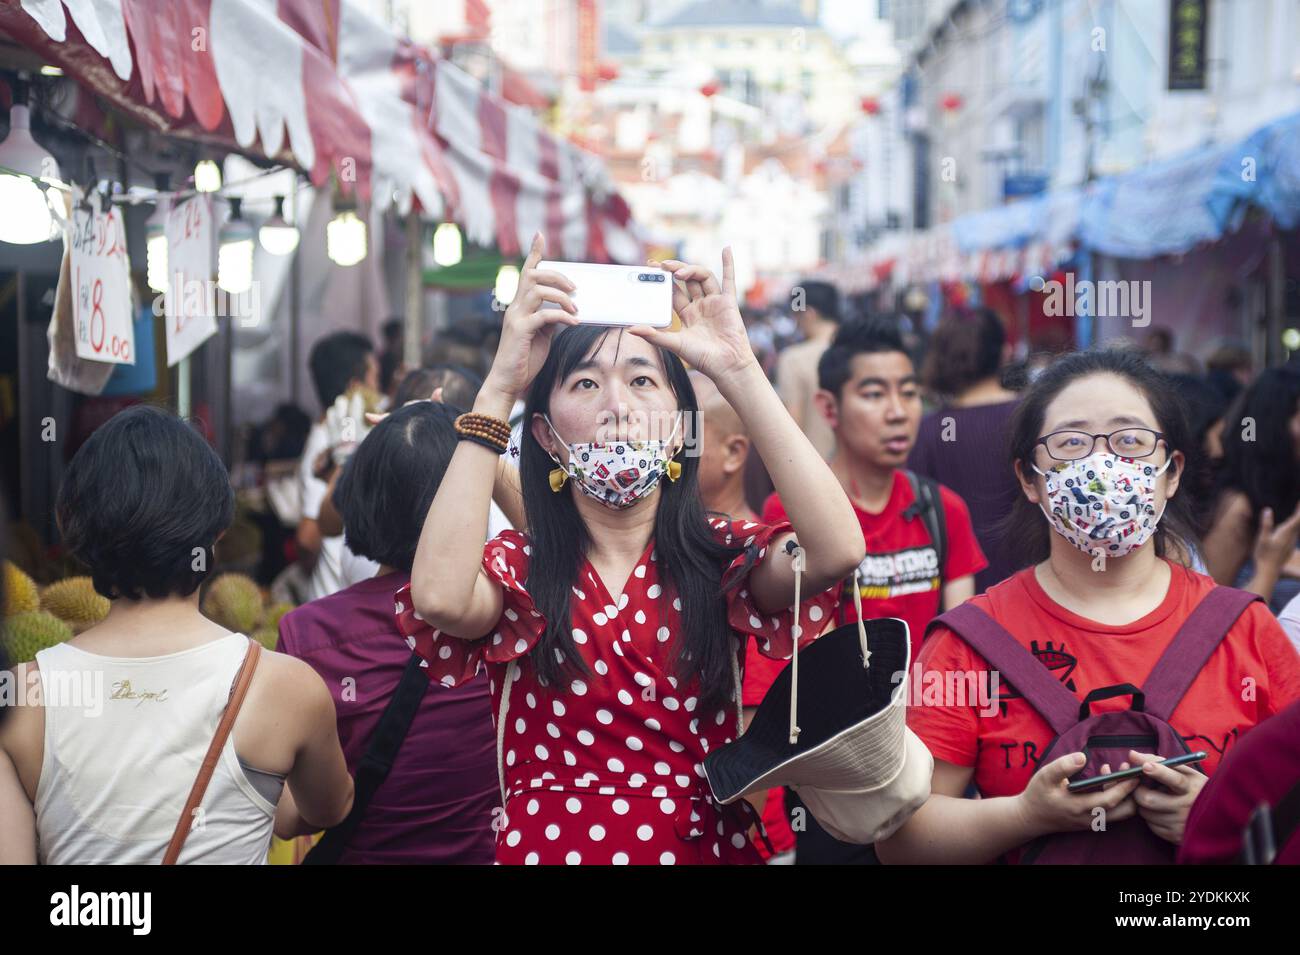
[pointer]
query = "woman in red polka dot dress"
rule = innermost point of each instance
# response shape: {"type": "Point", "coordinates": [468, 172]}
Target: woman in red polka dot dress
{"type": "Point", "coordinates": [614, 630]}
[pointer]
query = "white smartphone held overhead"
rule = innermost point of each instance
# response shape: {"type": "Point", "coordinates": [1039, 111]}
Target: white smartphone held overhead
{"type": "Point", "coordinates": [618, 294]}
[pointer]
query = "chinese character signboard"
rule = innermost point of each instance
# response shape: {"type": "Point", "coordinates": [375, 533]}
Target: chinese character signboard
{"type": "Point", "coordinates": [101, 284]}
{"type": "Point", "coordinates": [1188, 29]}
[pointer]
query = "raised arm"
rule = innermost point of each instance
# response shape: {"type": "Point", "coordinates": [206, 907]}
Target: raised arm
{"type": "Point", "coordinates": [448, 586]}
{"type": "Point", "coordinates": [713, 340]}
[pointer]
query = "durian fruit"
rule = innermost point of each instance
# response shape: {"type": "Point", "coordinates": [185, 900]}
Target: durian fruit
{"type": "Point", "coordinates": [274, 612]}
{"type": "Point", "coordinates": [26, 633]}
{"type": "Point", "coordinates": [235, 602]}
{"type": "Point", "coordinates": [75, 602]}
{"type": "Point", "coordinates": [267, 636]}
{"type": "Point", "coordinates": [21, 594]}
{"type": "Point", "coordinates": [242, 543]}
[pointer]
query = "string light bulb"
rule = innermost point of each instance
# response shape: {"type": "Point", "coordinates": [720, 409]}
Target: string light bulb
{"type": "Point", "coordinates": [277, 235]}
{"type": "Point", "coordinates": [447, 246]}
{"type": "Point", "coordinates": [207, 176]}
{"type": "Point", "coordinates": [155, 246]}
{"type": "Point", "coordinates": [507, 284]}
{"type": "Point", "coordinates": [345, 237]}
{"type": "Point", "coordinates": [235, 256]}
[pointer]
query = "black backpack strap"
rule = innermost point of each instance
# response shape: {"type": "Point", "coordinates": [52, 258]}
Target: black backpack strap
{"type": "Point", "coordinates": [372, 770]}
{"type": "Point", "coordinates": [1014, 664]}
{"type": "Point", "coordinates": [1202, 631]}
{"type": "Point", "coordinates": [928, 504]}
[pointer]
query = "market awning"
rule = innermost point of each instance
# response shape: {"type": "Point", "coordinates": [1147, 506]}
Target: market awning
{"type": "Point", "coordinates": [1171, 206]}
{"type": "Point", "coordinates": [323, 86]}
{"type": "Point", "coordinates": [1168, 207]}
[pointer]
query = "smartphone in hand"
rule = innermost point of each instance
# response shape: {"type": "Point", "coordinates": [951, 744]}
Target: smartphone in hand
{"type": "Point", "coordinates": [618, 294]}
{"type": "Point", "coordinates": [1096, 782]}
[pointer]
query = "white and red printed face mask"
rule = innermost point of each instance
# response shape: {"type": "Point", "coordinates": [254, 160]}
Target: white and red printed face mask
{"type": "Point", "coordinates": [1103, 502]}
{"type": "Point", "coordinates": [616, 473]}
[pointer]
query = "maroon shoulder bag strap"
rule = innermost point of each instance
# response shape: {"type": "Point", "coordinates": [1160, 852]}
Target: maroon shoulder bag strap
{"type": "Point", "coordinates": [237, 693]}
{"type": "Point", "coordinates": [1014, 664]}
{"type": "Point", "coordinates": [1190, 649]}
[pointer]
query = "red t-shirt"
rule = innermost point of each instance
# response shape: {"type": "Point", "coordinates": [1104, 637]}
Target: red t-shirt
{"type": "Point", "coordinates": [899, 577]}
{"type": "Point", "coordinates": [1252, 674]}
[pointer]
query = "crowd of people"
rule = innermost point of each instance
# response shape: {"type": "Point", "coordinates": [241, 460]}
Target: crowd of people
{"type": "Point", "coordinates": [538, 594]}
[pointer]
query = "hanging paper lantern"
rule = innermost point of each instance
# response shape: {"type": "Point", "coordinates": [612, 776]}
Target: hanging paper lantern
{"type": "Point", "coordinates": [710, 88]}
{"type": "Point", "coordinates": [870, 105]}
{"type": "Point", "coordinates": [950, 102]}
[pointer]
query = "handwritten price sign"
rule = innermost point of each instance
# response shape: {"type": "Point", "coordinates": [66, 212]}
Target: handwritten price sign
{"type": "Point", "coordinates": [191, 312]}
{"type": "Point", "coordinates": [101, 286]}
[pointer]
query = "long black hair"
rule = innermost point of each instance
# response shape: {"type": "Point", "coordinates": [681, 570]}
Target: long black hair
{"type": "Point", "coordinates": [690, 559]}
{"type": "Point", "coordinates": [1259, 451]}
{"type": "Point", "coordinates": [1025, 529]}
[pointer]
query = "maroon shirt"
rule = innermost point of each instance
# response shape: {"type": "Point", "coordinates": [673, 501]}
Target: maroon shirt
{"type": "Point", "coordinates": [1261, 768]}
{"type": "Point", "coordinates": [974, 463]}
{"type": "Point", "coordinates": [436, 806]}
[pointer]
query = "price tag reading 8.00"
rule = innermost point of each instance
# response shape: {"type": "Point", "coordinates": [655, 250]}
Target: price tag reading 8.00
{"type": "Point", "coordinates": [101, 289]}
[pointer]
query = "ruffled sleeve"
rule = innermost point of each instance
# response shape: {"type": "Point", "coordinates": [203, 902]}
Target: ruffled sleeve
{"type": "Point", "coordinates": [452, 660]}
{"type": "Point", "coordinates": [773, 633]}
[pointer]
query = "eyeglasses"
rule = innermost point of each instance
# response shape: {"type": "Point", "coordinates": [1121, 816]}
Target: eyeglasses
{"type": "Point", "coordinates": [1125, 443]}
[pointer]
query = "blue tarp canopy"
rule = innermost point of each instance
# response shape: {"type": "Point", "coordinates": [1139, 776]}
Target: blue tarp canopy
{"type": "Point", "coordinates": [1167, 207]}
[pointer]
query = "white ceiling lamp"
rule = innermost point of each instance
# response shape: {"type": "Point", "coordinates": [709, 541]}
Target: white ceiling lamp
{"type": "Point", "coordinates": [26, 168]}
{"type": "Point", "coordinates": [277, 235]}
{"type": "Point", "coordinates": [235, 256]}
{"type": "Point", "coordinates": [345, 236]}
{"type": "Point", "coordinates": [447, 246]}
{"type": "Point", "coordinates": [207, 176]}
{"type": "Point", "coordinates": [507, 284]}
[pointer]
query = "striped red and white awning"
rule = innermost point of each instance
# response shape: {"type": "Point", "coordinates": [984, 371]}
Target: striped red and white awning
{"type": "Point", "coordinates": [323, 86]}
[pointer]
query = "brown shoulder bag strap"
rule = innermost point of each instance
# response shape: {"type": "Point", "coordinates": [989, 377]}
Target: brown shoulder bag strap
{"type": "Point", "coordinates": [237, 694]}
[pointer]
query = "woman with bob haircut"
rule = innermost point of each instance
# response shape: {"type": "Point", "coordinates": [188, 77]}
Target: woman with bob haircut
{"type": "Point", "coordinates": [105, 779]}
{"type": "Point", "coordinates": [614, 630]}
{"type": "Point", "coordinates": [1098, 444]}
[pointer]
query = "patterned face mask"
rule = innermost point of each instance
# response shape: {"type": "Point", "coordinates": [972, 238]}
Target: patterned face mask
{"type": "Point", "coordinates": [616, 473]}
{"type": "Point", "coordinates": [1103, 502]}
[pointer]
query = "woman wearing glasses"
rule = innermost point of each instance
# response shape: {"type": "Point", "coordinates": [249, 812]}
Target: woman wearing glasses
{"type": "Point", "coordinates": [1097, 446]}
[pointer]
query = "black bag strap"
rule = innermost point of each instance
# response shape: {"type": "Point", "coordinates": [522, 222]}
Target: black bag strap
{"type": "Point", "coordinates": [928, 505]}
{"type": "Point", "coordinates": [372, 770]}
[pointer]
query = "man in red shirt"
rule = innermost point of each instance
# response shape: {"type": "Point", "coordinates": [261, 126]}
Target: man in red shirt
{"type": "Point", "coordinates": [871, 398]}
{"type": "Point", "coordinates": [869, 394]}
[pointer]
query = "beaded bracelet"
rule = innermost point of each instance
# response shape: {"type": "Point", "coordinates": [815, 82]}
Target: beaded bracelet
{"type": "Point", "coordinates": [485, 442]}
{"type": "Point", "coordinates": [485, 430]}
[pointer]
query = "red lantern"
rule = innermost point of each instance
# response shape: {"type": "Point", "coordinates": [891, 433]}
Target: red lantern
{"type": "Point", "coordinates": [951, 102]}
{"type": "Point", "coordinates": [870, 105]}
{"type": "Point", "coordinates": [607, 72]}
{"type": "Point", "coordinates": [710, 88]}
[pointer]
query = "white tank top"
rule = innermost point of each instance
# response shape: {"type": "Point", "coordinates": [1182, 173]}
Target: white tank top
{"type": "Point", "coordinates": [121, 758]}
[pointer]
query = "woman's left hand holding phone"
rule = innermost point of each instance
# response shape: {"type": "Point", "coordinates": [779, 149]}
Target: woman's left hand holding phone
{"type": "Point", "coordinates": [540, 308]}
